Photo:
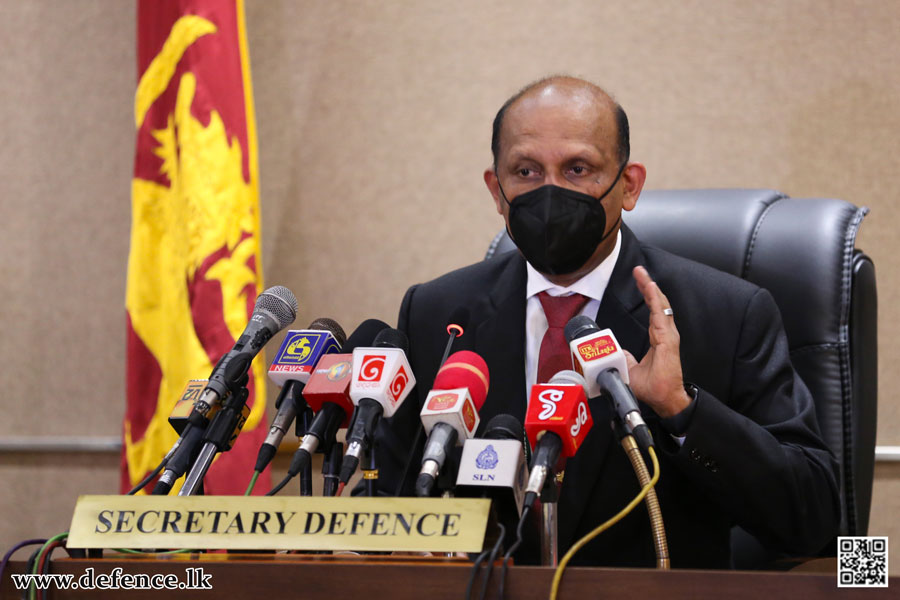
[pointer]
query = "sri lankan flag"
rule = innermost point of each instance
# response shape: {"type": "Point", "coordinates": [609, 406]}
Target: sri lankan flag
{"type": "Point", "coordinates": [194, 268]}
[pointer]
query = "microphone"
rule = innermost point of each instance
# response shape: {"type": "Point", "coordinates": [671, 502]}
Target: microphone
{"type": "Point", "coordinates": [600, 359]}
{"type": "Point", "coordinates": [557, 421]}
{"type": "Point", "coordinates": [300, 351]}
{"type": "Point", "coordinates": [450, 412]}
{"type": "Point", "coordinates": [381, 381]}
{"type": "Point", "coordinates": [495, 465]}
{"type": "Point", "coordinates": [275, 309]}
{"type": "Point", "coordinates": [328, 394]}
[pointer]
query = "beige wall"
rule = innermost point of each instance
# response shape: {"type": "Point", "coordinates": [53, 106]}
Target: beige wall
{"type": "Point", "coordinates": [374, 125]}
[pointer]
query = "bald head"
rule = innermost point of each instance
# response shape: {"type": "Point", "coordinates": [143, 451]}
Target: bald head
{"type": "Point", "coordinates": [565, 90]}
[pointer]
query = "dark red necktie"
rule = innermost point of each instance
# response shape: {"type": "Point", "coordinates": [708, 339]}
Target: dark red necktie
{"type": "Point", "coordinates": [555, 355]}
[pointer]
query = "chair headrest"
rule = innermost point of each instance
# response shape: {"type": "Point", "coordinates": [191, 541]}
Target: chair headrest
{"type": "Point", "coordinates": [799, 249]}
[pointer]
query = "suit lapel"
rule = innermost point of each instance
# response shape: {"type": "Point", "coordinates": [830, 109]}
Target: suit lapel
{"type": "Point", "coordinates": [500, 340]}
{"type": "Point", "coordinates": [623, 311]}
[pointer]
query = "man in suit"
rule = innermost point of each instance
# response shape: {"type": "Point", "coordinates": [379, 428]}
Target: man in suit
{"type": "Point", "coordinates": [708, 359]}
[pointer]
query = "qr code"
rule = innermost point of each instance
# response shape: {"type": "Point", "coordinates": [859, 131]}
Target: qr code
{"type": "Point", "coordinates": [862, 562]}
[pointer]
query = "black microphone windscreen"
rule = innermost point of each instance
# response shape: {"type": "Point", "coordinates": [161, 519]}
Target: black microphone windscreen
{"type": "Point", "coordinates": [579, 327]}
{"type": "Point", "coordinates": [332, 326]}
{"type": "Point", "coordinates": [391, 338]}
{"type": "Point", "coordinates": [504, 427]}
{"type": "Point", "coordinates": [364, 335]}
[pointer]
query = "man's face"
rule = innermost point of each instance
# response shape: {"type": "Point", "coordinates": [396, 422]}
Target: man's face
{"type": "Point", "coordinates": [566, 138]}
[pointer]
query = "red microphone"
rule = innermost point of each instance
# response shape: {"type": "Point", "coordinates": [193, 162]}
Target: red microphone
{"type": "Point", "coordinates": [450, 413]}
{"type": "Point", "coordinates": [557, 421]}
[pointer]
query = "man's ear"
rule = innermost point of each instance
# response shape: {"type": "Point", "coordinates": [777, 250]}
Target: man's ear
{"type": "Point", "coordinates": [493, 186]}
{"type": "Point", "coordinates": [634, 176]}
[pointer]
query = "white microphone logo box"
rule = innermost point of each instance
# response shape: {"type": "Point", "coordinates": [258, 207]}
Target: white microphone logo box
{"type": "Point", "coordinates": [454, 407]}
{"type": "Point", "coordinates": [494, 463]}
{"type": "Point", "coordinates": [382, 374]}
{"type": "Point", "coordinates": [596, 353]}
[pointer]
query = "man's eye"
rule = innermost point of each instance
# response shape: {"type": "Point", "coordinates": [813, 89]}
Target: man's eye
{"type": "Point", "coordinates": [524, 172]}
{"type": "Point", "coordinates": [579, 170]}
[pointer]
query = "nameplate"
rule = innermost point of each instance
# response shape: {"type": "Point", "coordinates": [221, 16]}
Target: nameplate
{"type": "Point", "coordinates": [272, 523]}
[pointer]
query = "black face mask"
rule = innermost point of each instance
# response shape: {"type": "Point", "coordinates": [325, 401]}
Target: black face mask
{"type": "Point", "coordinates": [558, 229]}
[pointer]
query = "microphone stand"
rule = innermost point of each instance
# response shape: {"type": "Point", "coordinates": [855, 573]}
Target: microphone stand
{"type": "Point", "coordinates": [218, 435]}
{"type": "Point", "coordinates": [331, 467]}
{"type": "Point", "coordinates": [304, 419]}
{"type": "Point", "coordinates": [640, 469]}
{"type": "Point", "coordinates": [370, 471]}
{"type": "Point", "coordinates": [550, 521]}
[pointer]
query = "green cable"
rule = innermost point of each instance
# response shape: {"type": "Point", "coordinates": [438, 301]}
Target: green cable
{"type": "Point", "coordinates": [32, 593]}
{"type": "Point", "coordinates": [256, 475]}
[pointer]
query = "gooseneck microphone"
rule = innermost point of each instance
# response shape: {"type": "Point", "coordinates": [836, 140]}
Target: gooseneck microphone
{"type": "Point", "coordinates": [599, 357]}
{"type": "Point", "coordinates": [382, 379]}
{"type": "Point", "coordinates": [450, 412]}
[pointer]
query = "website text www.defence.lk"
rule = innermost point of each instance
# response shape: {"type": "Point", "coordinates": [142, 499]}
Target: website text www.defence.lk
{"type": "Point", "coordinates": [194, 579]}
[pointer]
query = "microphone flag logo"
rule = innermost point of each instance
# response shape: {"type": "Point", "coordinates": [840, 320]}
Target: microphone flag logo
{"type": "Point", "coordinates": [548, 399]}
{"type": "Point", "coordinates": [443, 401]}
{"type": "Point", "coordinates": [580, 420]}
{"type": "Point", "coordinates": [298, 349]}
{"type": "Point", "coordinates": [398, 384]}
{"type": "Point", "coordinates": [597, 348]}
{"type": "Point", "coordinates": [372, 368]}
{"type": "Point", "coordinates": [487, 458]}
{"type": "Point", "coordinates": [469, 416]}
{"type": "Point", "coordinates": [339, 371]}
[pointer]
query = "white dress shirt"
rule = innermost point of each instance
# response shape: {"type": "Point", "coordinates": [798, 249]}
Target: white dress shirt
{"type": "Point", "coordinates": [592, 285]}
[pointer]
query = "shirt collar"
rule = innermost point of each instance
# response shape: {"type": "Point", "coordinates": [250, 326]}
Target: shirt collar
{"type": "Point", "coordinates": [591, 285]}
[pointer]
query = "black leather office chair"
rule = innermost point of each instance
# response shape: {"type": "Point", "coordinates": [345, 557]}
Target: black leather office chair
{"type": "Point", "coordinates": [802, 251]}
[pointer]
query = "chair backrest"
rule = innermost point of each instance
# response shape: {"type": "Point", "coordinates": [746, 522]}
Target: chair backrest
{"type": "Point", "coordinates": [802, 251]}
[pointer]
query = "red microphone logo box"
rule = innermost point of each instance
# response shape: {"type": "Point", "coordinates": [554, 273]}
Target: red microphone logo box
{"type": "Point", "coordinates": [597, 348]}
{"type": "Point", "coordinates": [371, 370]}
{"type": "Point", "coordinates": [560, 409]}
{"type": "Point", "coordinates": [330, 382]}
{"type": "Point", "coordinates": [398, 385]}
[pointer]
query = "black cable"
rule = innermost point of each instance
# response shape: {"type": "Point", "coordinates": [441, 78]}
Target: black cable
{"type": "Point", "coordinates": [513, 548]}
{"type": "Point", "coordinates": [474, 572]}
{"type": "Point", "coordinates": [371, 468]}
{"type": "Point", "coordinates": [278, 487]}
{"type": "Point", "coordinates": [490, 567]}
{"type": "Point", "coordinates": [306, 485]}
{"type": "Point", "coordinates": [416, 442]}
{"type": "Point", "coordinates": [11, 551]}
{"type": "Point", "coordinates": [147, 479]}
{"type": "Point", "coordinates": [29, 567]}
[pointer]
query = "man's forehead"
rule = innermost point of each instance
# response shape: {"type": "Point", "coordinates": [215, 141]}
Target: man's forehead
{"type": "Point", "coordinates": [574, 115]}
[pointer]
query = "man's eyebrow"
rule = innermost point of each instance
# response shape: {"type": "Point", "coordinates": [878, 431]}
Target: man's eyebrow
{"type": "Point", "coordinates": [518, 155]}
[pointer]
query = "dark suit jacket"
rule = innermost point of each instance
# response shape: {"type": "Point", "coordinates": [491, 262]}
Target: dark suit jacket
{"type": "Point", "coordinates": [752, 454]}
